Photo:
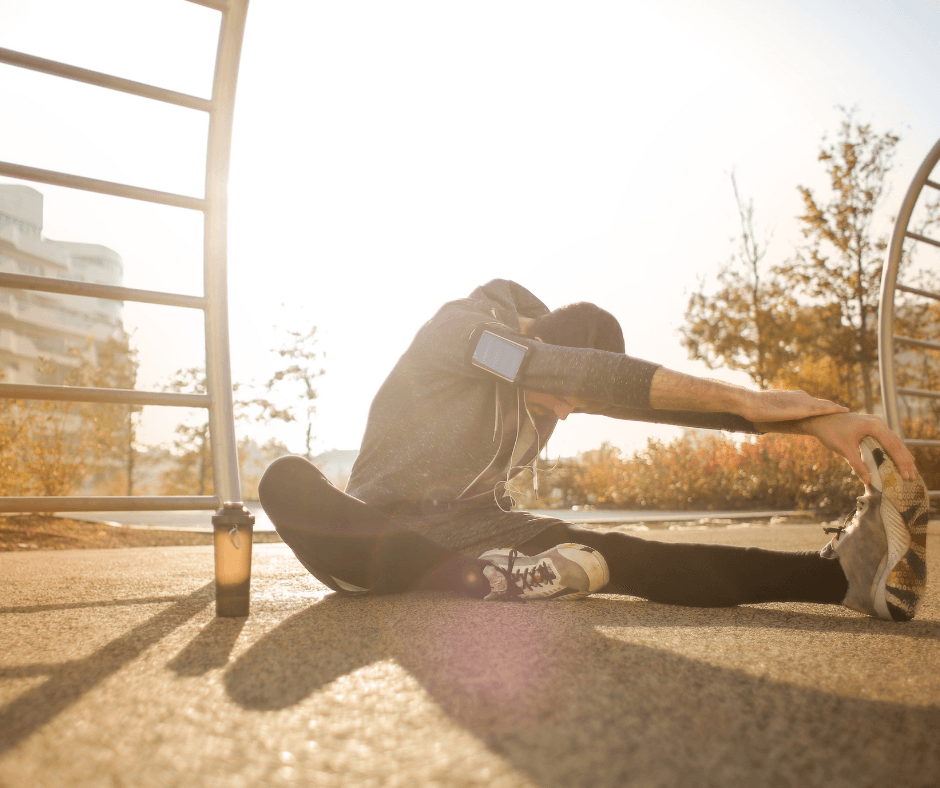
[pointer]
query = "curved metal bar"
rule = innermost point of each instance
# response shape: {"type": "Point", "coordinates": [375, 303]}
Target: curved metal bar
{"type": "Point", "coordinates": [232, 554]}
{"type": "Point", "coordinates": [888, 283]}
{"type": "Point", "coordinates": [218, 364]}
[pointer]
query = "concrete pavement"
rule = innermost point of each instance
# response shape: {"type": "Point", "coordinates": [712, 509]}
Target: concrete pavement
{"type": "Point", "coordinates": [114, 672]}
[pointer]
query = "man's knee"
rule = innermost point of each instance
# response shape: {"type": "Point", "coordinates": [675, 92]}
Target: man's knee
{"type": "Point", "coordinates": [287, 475]}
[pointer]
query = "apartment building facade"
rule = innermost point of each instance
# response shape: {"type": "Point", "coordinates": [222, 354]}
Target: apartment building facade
{"type": "Point", "coordinates": [38, 327]}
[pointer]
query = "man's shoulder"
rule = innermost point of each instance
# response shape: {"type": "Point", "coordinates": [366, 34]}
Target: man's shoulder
{"type": "Point", "coordinates": [501, 300]}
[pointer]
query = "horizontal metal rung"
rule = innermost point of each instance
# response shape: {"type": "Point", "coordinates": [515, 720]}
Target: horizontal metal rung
{"type": "Point", "coordinates": [923, 238]}
{"type": "Point", "coordinates": [101, 187]}
{"type": "Point", "coordinates": [108, 396]}
{"type": "Point", "coordinates": [918, 291]}
{"type": "Point", "coordinates": [56, 69]}
{"type": "Point", "coordinates": [921, 442]}
{"type": "Point", "coordinates": [111, 503]}
{"type": "Point", "coordinates": [92, 290]}
{"type": "Point", "coordinates": [934, 184]}
{"type": "Point", "coordinates": [925, 343]}
{"type": "Point", "coordinates": [920, 393]}
{"type": "Point", "coordinates": [933, 493]}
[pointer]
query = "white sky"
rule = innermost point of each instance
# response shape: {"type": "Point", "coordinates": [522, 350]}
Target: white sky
{"type": "Point", "coordinates": [391, 156]}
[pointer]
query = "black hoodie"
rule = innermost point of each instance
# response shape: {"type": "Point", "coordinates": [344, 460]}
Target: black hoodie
{"type": "Point", "coordinates": [441, 430]}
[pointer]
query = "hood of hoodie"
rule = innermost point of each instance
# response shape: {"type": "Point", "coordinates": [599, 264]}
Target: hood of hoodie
{"type": "Point", "coordinates": [510, 301]}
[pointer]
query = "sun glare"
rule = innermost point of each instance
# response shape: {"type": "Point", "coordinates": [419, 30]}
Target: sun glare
{"type": "Point", "coordinates": [390, 156]}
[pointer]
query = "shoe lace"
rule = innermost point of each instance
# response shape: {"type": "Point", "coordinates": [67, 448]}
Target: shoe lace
{"type": "Point", "coordinates": [528, 578]}
{"type": "Point", "coordinates": [845, 523]}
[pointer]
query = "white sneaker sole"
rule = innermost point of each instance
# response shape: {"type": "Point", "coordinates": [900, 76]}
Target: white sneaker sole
{"type": "Point", "coordinates": [594, 565]}
{"type": "Point", "coordinates": [900, 581]}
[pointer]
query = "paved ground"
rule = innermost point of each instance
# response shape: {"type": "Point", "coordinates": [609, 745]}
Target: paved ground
{"type": "Point", "coordinates": [114, 672]}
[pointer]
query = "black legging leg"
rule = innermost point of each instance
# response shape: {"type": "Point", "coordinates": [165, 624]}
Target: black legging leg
{"type": "Point", "coordinates": [336, 536]}
{"type": "Point", "coordinates": [702, 575]}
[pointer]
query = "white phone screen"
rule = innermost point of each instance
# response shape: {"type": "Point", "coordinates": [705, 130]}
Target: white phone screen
{"type": "Point", "coordinates": [501, 356]}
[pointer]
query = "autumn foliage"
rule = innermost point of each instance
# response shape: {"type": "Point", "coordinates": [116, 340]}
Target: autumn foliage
{"type": "Point", "coordinates": [704, 472]}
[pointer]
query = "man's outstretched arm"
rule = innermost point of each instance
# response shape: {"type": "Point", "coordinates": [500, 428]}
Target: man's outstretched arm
{"type": "Point", "coordinates": [790, 412]}
{"type": "Point", "coordinates": [670, 390]}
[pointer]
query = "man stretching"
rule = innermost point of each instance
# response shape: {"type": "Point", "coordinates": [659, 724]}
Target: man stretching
{"type": "Point", "coordinates": [471, 403]}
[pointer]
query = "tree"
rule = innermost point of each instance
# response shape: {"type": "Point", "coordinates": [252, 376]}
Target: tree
{"type": "Point", "coordinates": [53, 448]}
{"type": "Point", "coordinates": [192, 450]}
{"type": "Point", "coordinates": [46, 447]}
{"type": "Point", "coordinates": [840, 267]}
{"type": "Point", "coordinates": [810, 323]}
{"type": "Point", "coordinates": [300, 373]}
{"type": "Point", "coordinates": [253, 459]}
{"type": "Point", "coordinates": [752, 322]}
{"type": "Point", "coordinates": [114, 365]}
{"type": "Point", "coordinates": [191, 465]}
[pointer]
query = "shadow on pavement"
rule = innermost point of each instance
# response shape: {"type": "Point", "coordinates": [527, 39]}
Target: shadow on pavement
{"type": "Point", "coordinates": [767, 617]}
{"type": "Point", "coordinates": [150, 600]}
{"type": "Point", "coordinates": [210, 649]}
{"type": "Point", "coordinates": [569, 706]}
{"type": "Point", "coordinates": [68, 681]}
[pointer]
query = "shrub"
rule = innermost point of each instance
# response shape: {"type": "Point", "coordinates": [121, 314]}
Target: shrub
{"type": "Point", "coordinates": [696, 472]}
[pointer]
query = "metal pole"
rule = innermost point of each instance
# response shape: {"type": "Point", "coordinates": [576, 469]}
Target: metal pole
{"type": "Point", "coordinates": [233, 523]}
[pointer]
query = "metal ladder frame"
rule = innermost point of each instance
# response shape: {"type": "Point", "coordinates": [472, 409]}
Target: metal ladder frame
{"type": "Point", "coordinates": [889, 285]}
{"type": "Point", "coordinates": [231, 513]}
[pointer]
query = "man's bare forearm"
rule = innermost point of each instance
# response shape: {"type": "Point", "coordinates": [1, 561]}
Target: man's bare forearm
{"type": "Point", "coordinates": [670, 390]}
{"type": "Point", "coordinates": [795, 427]}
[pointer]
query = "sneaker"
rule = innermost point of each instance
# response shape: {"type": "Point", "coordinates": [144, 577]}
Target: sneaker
{"type": "Point", "coordinates": [882, 547]}
{"type": "Point", "coordinates": [567, 571]}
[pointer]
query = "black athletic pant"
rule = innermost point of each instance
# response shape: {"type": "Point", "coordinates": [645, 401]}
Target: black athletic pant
{"type": "Point", "coordinates": [337, 537]}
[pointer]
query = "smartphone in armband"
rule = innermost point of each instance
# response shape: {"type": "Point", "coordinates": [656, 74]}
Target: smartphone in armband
{"type": "Point", "coordinates": [499, 355]}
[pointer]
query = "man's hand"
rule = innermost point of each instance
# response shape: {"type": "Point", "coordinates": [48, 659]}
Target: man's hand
{"type": "Point", "coordinates": [768, 406]}
{"type": "Point", "coordinates": [842, 432]}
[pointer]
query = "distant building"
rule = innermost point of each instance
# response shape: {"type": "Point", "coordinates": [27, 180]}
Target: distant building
{"type": "Point", "coordinates": [35, 325]}
{"type": "Point", "coordinates": [336, 465]}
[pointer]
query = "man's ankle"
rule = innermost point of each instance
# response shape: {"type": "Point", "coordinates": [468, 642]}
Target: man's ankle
{"type": "Point", "coordinates": [463, 576]}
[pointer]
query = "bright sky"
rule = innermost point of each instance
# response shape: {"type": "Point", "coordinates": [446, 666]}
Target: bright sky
{"type": "Point", "coordinates": [391, 156]}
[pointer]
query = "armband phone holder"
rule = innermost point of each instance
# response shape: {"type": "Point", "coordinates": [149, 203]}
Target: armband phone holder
{"type": "Point", "coordinates": [498, 355]}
